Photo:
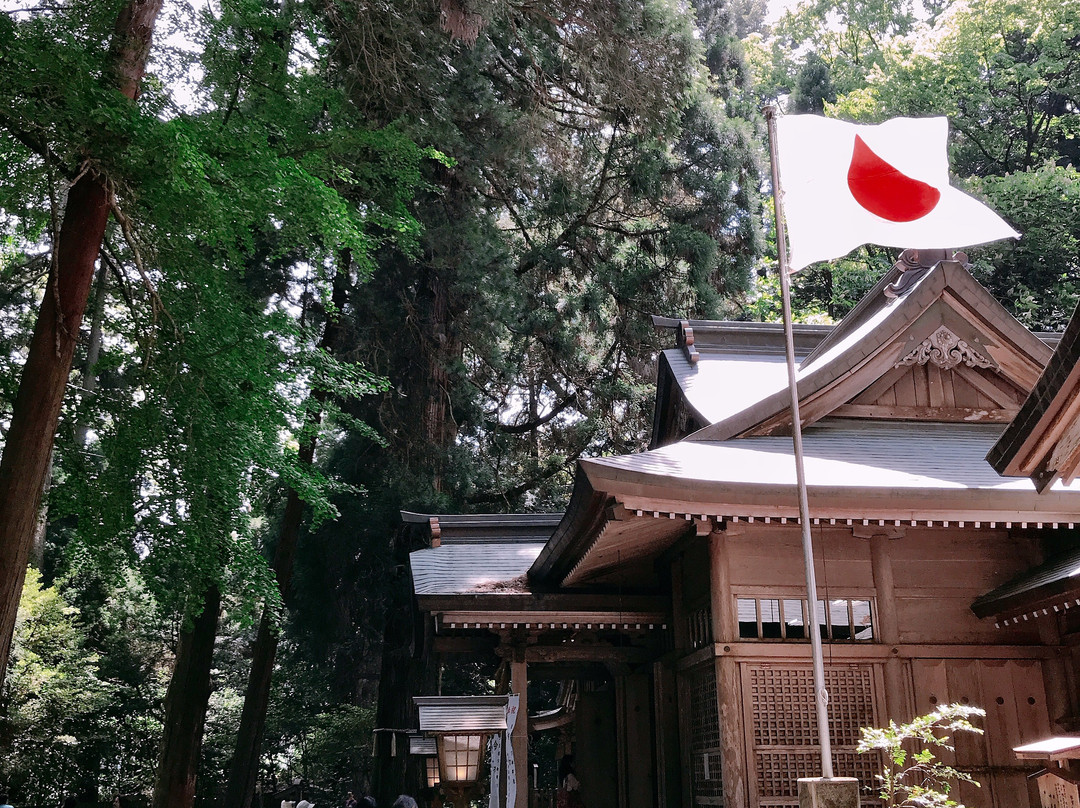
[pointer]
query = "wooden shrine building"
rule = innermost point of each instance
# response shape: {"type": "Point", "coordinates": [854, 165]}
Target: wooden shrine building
{"type": "Point", "coordinates": [669, 598]}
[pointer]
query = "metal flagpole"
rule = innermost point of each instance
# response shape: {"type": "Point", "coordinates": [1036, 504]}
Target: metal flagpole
{"type": "Point", "coordinates": [820, 691]}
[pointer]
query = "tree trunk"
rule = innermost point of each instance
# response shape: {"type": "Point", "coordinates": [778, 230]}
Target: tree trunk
{"type": "Point", "coordinates": [25, 460]}
{"type": "Point", "coordinates": [185, 709]}
{"type": "Point", "coordinates": [93, 353]}
{"type": "Point", "coordinates": [244, 770]}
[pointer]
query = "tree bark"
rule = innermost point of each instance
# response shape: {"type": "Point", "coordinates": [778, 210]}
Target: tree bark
{"type": "Point", "coordinates": [186, 702]}
{"type": "Point", "coordinates": [243, 772]}
{"type": "Point", "coordinates": [25, 460]}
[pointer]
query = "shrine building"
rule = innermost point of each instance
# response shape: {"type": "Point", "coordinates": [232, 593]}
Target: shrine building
{"type": "Point", "coordinates": [669, 599]}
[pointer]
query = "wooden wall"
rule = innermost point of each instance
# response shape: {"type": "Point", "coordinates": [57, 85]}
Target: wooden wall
{"type": "Point", "coordinates": [937, 573]}
{"type": "Point", "coordinates": [935, 651]}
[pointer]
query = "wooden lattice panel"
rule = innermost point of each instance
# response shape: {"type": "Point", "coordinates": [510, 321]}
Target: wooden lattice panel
{"type": "Point", "coordinates": [785, 733]}
{"type": "Point", "coordinates": [782, 699]}
{"type": "Point", "coordinates": [704, 724]}
{"type": "Point", "coordinates": [779, 772]}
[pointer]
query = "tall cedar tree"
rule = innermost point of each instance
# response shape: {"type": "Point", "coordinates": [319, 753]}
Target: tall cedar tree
{"type": "Point", "coordinates": [29, 439]}
{"type": "Point", "coordinates": [601, 174]}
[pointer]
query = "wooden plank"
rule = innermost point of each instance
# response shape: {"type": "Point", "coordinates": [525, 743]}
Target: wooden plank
{"type": "Point", "coordinates": [842, 652]}
{"type": "Point", "coordinates": [935, 385]}
{"type": "Point", "coordinates": [904, 390]}
{"type": "Point", "coordinates": [934, 619]}
{"type": "Point", "coordinates": [734, 764]}
{"type": "Point", "coordinates": [947, 388]}
{"type": "Point", "coordinates": [1002, 731]}
{"type": "Point", "coordinates": [922, 385]}
{"type": "Point", "coordinates": [881, 387]}
{"type": "Point", "coordinates": [971, 750]}
{"type": "Point", "coordinates": [964, 394]}
{"type": "Point", "coordinates": [749, 756]}
{"type": "Point", "coordinates": [995, 387]}
{"type": "Point", "coordinates": [580, 652]}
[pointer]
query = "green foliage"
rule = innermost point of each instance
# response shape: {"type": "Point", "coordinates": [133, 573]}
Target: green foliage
{"type": "Point", "coordinates": [1039, 275]}
{"type": "Point", "coordinates": [1005, 73]}
{"type": "Point", "coordinates": [911, 774]}
{"type": "Point", "coordinates": [53, 695]}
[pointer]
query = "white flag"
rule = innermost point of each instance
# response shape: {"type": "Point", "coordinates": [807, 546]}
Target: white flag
{"type": "Point", "coordinates": [845, 185]}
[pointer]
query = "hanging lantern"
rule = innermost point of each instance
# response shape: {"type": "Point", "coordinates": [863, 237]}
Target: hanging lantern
{"type": "Point", "coordinates": [425, 747]}
{"type": "Point", "coordinates": [461, 726]}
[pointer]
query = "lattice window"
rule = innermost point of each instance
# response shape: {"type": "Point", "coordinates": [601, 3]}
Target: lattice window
{"type": "Point", "coordinates": [704, 721]}
{"type": "Point", "coordinates": [699, 627]}
{"type": "Point", "coordinates": [785, 727]}
{"type": "Point", "coordinates": [771, 618]}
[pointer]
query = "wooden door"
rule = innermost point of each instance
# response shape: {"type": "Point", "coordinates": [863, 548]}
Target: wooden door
{"type": "Point", "coordinates": [1014, 696]}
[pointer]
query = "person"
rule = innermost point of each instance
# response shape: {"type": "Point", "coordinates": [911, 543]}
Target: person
{"type": "Point", "coordinates": [4, 800]}
{"type": "Point", "coordinates": [405, 801]}
{"type": "Point", "coordinates": [305, 804]}
{"type": "Point", "coordinates": [569, 793]}
{"type": "Point", "coordinates": [350, 801]}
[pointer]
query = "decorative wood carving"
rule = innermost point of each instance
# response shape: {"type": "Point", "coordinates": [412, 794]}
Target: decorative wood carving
{"type": "Point", "coordinates": [913, 264]}
{"type": "Point", "coordinates": [686, 341]}
{"type": "Point", "coordinates": [947, 351]}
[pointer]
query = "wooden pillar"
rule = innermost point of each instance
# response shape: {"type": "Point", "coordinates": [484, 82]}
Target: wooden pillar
{"type": "Point", "coordinates": [519, 739]}
{"type": "Point", "coordinates": [1059, 700]}
{"type": "Point", "coordinates": [898, 703]}
{"type": "Point", "coordinates": [678, 609]}
{"type": "Point", "coordinates": [637, 783]}
{"type": "Point", "coordinates": [666, 730]}
{"type": "Point", "coordinates": [725, 629]}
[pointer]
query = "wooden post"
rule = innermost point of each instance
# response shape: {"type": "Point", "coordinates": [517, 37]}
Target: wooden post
{"type": "Point", "coordinates": [897, 704]}
{"type": "Point", "coordinates": [728, 686]}
{"type": "Point", "coordinates": [678, 610]}
{"type": "Point", "coordinates": [519, 739]}
{"type": "Point", "coordinates": [666, 730]}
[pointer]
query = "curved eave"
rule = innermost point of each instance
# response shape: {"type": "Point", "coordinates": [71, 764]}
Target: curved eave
{"type": "Point", "coordinates": [583, 518]}
{"type": "Point", "coordinates": [725, 500]}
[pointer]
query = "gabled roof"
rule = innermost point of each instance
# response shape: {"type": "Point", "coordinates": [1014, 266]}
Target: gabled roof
{"type": "Point", "coordinates": [719, 369]}
{"type": "Point", "coordinates": [944, 317]}
{"type": "Point", "coordinates": [1043, 441]}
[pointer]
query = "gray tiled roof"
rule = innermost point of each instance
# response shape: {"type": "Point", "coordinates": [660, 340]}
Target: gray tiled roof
{"type": "Point", "coordinates": [463, 569]}
{"type": "Point", "coordinates": [855, 454]}
{"type": "Point", "coordinates": [1057, 577]}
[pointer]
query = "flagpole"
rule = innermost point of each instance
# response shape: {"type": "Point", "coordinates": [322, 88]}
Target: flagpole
{"type": "Point", "coordinates": [821, 699]}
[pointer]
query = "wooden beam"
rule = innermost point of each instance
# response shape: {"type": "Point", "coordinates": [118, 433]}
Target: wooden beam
{"type": "Point", "coordinates": [930, 413]}
{"type": "Point", "coordinates": [589, 653]}
{"type": "Point", "coordinates": [843, 653]}
{"type": "Point", "coordinates": [465, 645]}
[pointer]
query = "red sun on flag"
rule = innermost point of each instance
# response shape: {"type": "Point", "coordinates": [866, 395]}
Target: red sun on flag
{"type": "Point", "coordinates": [886, 191]}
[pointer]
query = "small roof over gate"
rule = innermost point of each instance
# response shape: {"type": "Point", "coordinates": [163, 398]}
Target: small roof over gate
{"type": "Point", "coordinates": [1053, 585]}
{"type": "Point", "coordinates": [452, 714]}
